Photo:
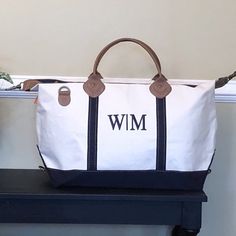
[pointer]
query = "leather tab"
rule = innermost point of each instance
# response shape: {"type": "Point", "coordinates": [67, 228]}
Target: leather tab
{"type": "Point", "coordinates": [160, 88]}
{"type": "Point", "coordinates": [94, 87]}
{"type": "Point", "coordinates": [64, 98]}
{"type": "Point", "coordinates": [29, 84]}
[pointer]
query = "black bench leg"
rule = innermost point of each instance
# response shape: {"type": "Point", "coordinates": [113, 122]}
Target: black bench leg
{"type": "Point", "coordinates": [190, 221]}
{"type": "Point", "coordinates": [179, 231]}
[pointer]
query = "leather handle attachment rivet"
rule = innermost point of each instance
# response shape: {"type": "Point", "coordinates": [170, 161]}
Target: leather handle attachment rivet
{"type": "Point", "coordinates": [160, 88]}
{"type": "Point", "coordinates": [94, 86]}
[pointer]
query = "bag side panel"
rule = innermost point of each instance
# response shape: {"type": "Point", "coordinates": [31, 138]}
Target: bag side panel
{"type": "Point", "coordinates": [191, 127]}
{"type": "Point", "coordinates": [62, 130]}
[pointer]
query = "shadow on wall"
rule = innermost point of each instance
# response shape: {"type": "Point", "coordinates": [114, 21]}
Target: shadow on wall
{"type": "Point", "coordinates": [83, 230]}
{"type": "Point", "coordinates": [219, 213]}
{"type": "Point", "coordinates": [17, 134]}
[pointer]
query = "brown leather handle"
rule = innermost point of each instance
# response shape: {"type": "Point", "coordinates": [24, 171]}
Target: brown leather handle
{"type": "Point", "coordinates": [140, 43]}
{"type": "Point", "coordinates": [95, 87]}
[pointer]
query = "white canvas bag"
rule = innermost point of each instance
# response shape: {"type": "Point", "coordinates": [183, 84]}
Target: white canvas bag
{"type": "Point", "coordinates": [126, 127]}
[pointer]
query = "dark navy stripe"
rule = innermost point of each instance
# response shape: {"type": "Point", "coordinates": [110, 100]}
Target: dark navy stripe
{"type": "Point", "coordinates": [161, 134]}
{"type": "Point", "coordinates": [92, 134]}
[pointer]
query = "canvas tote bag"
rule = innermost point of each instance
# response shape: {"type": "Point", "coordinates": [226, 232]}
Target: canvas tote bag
{"type": "Point", "coordinates": [127, 134]}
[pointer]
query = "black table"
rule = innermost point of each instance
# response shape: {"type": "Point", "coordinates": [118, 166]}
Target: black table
{"type": "Point", "coordinates": [26, 196]}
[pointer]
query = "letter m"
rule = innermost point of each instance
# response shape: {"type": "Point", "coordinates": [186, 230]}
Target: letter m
{"type": "Point", "coordinates": [135, 123]}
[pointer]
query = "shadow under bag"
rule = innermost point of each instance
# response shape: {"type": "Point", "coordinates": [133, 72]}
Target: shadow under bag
{"type": "Point", "coordinates": [104, 133]}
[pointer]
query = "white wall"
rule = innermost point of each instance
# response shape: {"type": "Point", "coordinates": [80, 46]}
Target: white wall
{"type": "Point", "coordinates": [219, 214]}
{"type": "Point", "coordinates": [194, 39]}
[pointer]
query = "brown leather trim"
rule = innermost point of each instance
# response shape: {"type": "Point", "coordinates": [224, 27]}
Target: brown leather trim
{"type": "Point", "coordinates": [64, 98]}
{"type": "Point", "coordinates": [94, 86]}
{"type": "Point", "coordinates": [160, 88]}
{"type": "Point", "coordinates": [29, 84]}
{"type": "Point", "coordinates": [142, 44]}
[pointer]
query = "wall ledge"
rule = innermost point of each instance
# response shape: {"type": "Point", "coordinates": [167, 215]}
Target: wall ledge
{"type": "Point", "coordinates": [226, 94]}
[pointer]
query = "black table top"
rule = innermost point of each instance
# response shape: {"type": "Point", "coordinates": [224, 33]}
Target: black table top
{"type": "Point", "coordinates": [27, 183]}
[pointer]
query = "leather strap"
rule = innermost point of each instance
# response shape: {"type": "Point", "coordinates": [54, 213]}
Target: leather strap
{"type": "Point", "coordinates": [224, 80]}
{"type": "Point", "coordinates": [94, 86]}
{"type": "Point", "coordinates": [140, 43]}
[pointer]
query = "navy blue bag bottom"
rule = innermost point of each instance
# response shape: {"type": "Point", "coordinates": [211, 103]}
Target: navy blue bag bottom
{"type": "Point", "coordinates": [145, 179]}
{"type": "Point", "coordinates": [149, 179]}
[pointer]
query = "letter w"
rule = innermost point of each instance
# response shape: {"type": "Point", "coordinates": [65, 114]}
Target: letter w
{"type": "Point", "coordinates": [116, 122]}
